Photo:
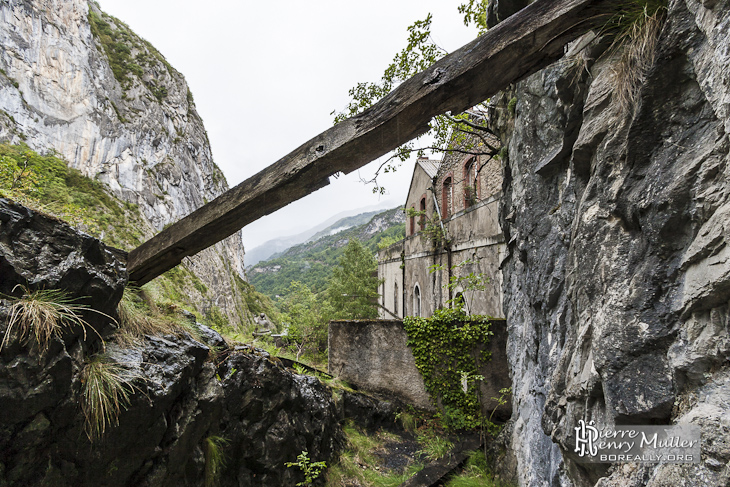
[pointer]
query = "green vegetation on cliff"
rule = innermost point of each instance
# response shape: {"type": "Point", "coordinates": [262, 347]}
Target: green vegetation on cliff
{"type": "Point", "coordinates": [47, 184]}
{"type": "Point", "coordinates": [127, 53]}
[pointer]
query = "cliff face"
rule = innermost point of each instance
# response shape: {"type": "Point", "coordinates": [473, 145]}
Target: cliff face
{"type": "Point", "coordinates": [81, 83]}
{"type": "Point", "coordinates": [617, 278]}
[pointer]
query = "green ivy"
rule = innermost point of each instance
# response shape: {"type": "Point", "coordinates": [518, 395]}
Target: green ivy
{"type": "Point", "coordinates": [446, 347]}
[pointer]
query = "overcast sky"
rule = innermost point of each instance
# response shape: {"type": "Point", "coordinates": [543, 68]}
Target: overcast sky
{"type": "Point", "coordinates": [266, 75]}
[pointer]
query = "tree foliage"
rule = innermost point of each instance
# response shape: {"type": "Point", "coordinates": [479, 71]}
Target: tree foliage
{"type": "Point", "coordinates": [307, 316]}
{"type": "Point", "coordinates": [448, 132]}
{"type": "Point", "coordinates": [353, 287]}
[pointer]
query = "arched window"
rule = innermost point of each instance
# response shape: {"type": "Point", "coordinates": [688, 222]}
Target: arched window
{"type": "Point", "coordinates": [395, 300]}
{"type": "Point", "coordinates": [422, 218]}
{"type": "Point", "coordinates": [447, 197]}
{"type": "Point", "coordinates": [471, 184]}
{"type": "Point", "coordinates": [416, 301]}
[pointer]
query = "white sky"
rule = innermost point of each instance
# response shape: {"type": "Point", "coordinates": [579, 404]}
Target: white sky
{"type": "Point", "coordinates": [266, 75]}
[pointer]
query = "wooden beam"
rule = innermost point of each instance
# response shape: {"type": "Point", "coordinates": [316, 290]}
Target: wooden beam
{"type": "Point", "coordinates": [524, 43]}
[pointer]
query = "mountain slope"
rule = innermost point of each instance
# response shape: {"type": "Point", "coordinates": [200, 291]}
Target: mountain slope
{"type": "Point", "coordinates": [276, 246]}
{"type": "Point", "coordinates": [312, 261]}
{"type": "Point", "coordinates": [81, 84]}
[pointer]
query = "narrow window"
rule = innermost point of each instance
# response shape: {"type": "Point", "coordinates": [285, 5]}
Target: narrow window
{"type": "Point", "coordinates": [422, 219]}
{"type": "Point", "coordinates": [471, 186]}
{"type": "Point", "coordinates": [416, 301]}
{"type": "Point", "coordinates": [446, 197]}
{"type": "Point", "coordinates": [395, 300]}
{"type": "Point", "coordinates": [413, 224]}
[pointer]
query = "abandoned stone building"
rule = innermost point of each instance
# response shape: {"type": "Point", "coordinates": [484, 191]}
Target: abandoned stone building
{"type": "Point", "coordinates": [456, 228]}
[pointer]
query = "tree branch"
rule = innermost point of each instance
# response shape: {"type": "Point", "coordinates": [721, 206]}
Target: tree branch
{"type": "Point", "coordinates": [469, 123]}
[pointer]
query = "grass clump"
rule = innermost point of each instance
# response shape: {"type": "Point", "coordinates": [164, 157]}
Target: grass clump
{"type": "Point", "coordinates": [637, 58]}
{"type": "Point", "coordinates": [106, 387]}
{"type": "Point", "coordinates": [139, 315]}
{"type": "Point", "coordinates": [43, 314]}
{"type": "Point", "coordinates": [624, 16]}
{"type": "Point", "coordinates": [214, 458]}
{"type": "Point", "coordinates": [635, 26]}
{"type": "Point", "coordinates": [434, 445]}
{"type": "Point", "coordinates": [476, 473]}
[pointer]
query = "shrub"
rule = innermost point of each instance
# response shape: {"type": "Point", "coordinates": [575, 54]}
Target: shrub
{"type": "Point", "coordinates": [310, 469]}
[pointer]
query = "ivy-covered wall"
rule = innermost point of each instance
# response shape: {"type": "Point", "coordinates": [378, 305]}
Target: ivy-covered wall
{"type": "Point", "coordinates": [374, 355]}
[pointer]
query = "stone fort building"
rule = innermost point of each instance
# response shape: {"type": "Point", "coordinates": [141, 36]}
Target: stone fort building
{"type": "Point", "coordinates": [456, 229]}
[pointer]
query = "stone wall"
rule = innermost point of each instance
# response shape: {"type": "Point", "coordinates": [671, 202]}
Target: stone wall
{"type": "Point", "coordinates": [374, 356]}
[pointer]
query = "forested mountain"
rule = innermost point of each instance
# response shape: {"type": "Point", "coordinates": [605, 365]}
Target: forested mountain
{"type": "Point", "coordinates": [311, 262]}
{"type": "Point", "coordinates": [272, 249]}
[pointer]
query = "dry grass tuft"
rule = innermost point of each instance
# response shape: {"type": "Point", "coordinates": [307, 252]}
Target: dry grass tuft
{"type": "Point", "coordinates": [637, 57]}
{"type": "Point", "coordinates": [634, 26]}
{"type": "Point", "coordinates": [43, 314]}
{"type": "Point", "coordinates": [106, 387]}
{"type": "Point", "coordinates": [140, 316]}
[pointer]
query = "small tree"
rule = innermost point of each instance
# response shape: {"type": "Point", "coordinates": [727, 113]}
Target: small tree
{"type": "Point", "coordinates": [353, 287]}
{"type": "Point", "coordinates": [307, 315]}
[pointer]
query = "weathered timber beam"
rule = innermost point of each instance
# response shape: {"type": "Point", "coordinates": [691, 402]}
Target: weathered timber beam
{"type": "Point", "coordinates": [524, 43]}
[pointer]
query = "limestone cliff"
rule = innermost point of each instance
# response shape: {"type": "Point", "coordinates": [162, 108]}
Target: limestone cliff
{"type": "Point", "coordinates": [79, 82]}
{"type": "Point", "coordinates": [617, 275]}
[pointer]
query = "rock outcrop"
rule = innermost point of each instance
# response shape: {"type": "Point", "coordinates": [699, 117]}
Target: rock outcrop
{"type": "Point", "coordinates": [81, 83]}
{"type": "Point", "coordinates": [186, 398]}
{"type": "Point", "coordinates": [617, 277]}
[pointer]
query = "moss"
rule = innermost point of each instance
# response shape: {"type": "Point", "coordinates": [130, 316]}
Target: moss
{"type": "Point", "coordinates": [511, 106]}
